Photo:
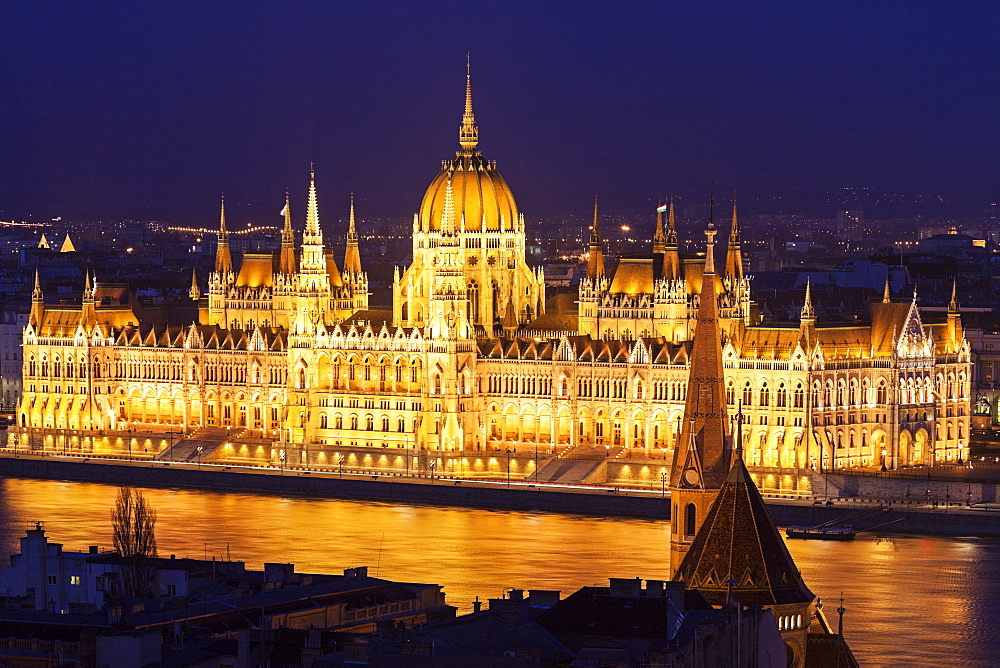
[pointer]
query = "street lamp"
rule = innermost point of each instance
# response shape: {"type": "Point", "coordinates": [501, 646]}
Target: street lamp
{"type": "Point", "coordinates": [509, 450]}
{"type": "Point", "coordinates": [281, 460]}
{"type": "Point", "coordinates": [663, 484]}
{"type": "Point", "coordinates": [340, 460]}
{"type": "Point", "coordinates": [199, 450]}
{"type": "Point", "coordinates": [432, 464]}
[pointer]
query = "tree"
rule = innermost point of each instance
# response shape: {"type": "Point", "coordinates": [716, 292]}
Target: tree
{"type": "Point", "coordinates": [134, 521]}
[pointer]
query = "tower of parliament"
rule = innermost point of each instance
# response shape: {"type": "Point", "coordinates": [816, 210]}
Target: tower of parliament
{"type": "Point", "coordinates": [288, 361]}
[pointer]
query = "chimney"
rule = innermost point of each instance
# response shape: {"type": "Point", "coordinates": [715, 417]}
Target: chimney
{"type": "Point", "coordinates": [477, 606]}
{"type": "Point", "coordinates": [92, 549]}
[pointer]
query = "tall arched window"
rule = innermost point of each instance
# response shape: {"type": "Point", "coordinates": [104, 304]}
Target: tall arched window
{"type": "Point", "coordinates": [690, 515]}
{"type": "Point", "coordinates": [799, 396]}
{"type": "Point", "coordinates": [765, 395]}
{"type": "Point", "coordinates": [322, 421]}
{"type": "Point", "coordinates": [730, 393]}
{"type": "Point", "coordinates": [747, 394]}
{"type": "Point", "coordinates": [473, 291]}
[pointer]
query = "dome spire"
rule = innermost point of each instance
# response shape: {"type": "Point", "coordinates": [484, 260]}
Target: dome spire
{"type": "Point", "coordinates": [468, 133]}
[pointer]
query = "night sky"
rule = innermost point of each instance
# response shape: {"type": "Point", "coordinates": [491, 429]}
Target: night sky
{"type": "Point", "coordinates": [151, 110]}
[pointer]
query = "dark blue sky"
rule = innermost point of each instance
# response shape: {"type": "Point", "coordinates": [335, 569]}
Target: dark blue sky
{"type": "Point", "coordinates": [151, 110]}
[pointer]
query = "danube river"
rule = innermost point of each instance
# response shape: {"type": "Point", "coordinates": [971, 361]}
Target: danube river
{"type": "Point", "coordinates": [911, 600]}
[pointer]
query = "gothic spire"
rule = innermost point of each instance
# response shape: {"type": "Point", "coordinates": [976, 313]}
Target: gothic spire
{"type": "Point", "coordinates": [807, 306]}
{"type": "Point", "coordinates": [953, 304]}
{"type": "Point", "coordinates": [37, 302]}
{"type": "Point", "coordinates": [468, 133]}
{"type": "Point", "coordinates": [886, 295]}
{"type": "Point", "coordinates": [595, 261]}
{"type": "Point", "coordinates": [287, 265]}
{"type": "Point", "coordinates": [195, 291]}
{"type": "Point", "coordinates": [223, 259]}
{"type": "Point", "coordinates": [448, 211]}
{"type": "Point", "coordinates": [659, 238]}
{"type": "Point", "coordinates": [734, 254]}
{"type": "Point", "coordinates": [352, 258]}
{"type": "Point", "coordinates": [36, 294]}
{"type": "Point", "coordinates": [703, 453]}
{"type": "Point", "coordinates": [313, 234]}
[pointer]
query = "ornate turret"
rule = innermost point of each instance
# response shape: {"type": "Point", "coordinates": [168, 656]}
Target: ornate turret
{"type": "Point", "coordinates": [955, 333]}
{"type": "Point", "coordinates": [287, 264]}
{"type": "Point", "coordinates": [195, 291]}
{"type": "Point", "coordinates": [352, 258]}
{"type": "Point", "coordinates": [671, 254]}
{"type": "Point", "coordinates": [88, 314]}
{"type": "Point", "coordinates": [313, 259]}
{"type": "Point", "coordinates": [702, 455]}
{"type": "Point", "coordinates": [734, 254]}
{"type": "Point", "coordinates": [595, 261]}
{"type": "Point", "coordinates": [659, 238]}
{"type": "Point", "coordinates": [468, 133]}
{"type": "Point", "coordinates": [37, 303]}
{"type": "Point", "coordinates": [808, 314]}
{"type": "Point", "coordinates": [223, 260]}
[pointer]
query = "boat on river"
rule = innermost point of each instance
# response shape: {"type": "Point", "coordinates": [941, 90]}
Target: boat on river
{"type": "Point", "coordinates": [843, 532]}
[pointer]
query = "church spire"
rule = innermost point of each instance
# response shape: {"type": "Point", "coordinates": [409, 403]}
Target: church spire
{"type": "Point", "coordinates": [223, 260]}
{"type": "Point", "coordinates": [953, 304]}
{"type": "Point", "coordinates": [37, 303]}
{"type": "Point", "coordinates": [807, 306]}
{"type": "Point", "coordinates": [468, 133]}
{"type": "Point", "coordinates": [659, 238]}
{"type": "Point", "coordinates": [313, 234]}
{"type": "Point", "coordinates": [352, 258]}
{"type": "Point", "coordinates": [195, 291]}
{"type": "Point", "coordinates": [671, 257]}
{"type": "Point", "coordinates": [287, 265]}
{"type": "Point", "coordinates": [595, 262]}
{"type": "Point", "coordinates": [734, 254]}
{"type": "Point", "coordinates": [886, 295]}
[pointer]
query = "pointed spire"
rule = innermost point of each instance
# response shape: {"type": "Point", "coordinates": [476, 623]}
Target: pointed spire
{"type": "Point", "coordinates": [195, 291]}
{"type": "Point", "coordinates": [37, 302]}
{"type": "Point", "coordinates": [595, 262]}
{"type": "Point", "coordinates": [807, 306]}
{"type": "Point", "coordinates": [36, 294]}
{"type": "Point", "coordinates": [953, 304]}
{"type": "Point", "coordinates": [88, 291]}
{"type": "Point", "coordinates": [671, 224]}
{"type": "Point", "coordinates": [468, 133]}
{"type": "Point", "coordinates": [710, 233]}
{"type": "Point", "coordinates": [352, 258]}
{"type": "Point", "coordinates": [659, 238]}
{"type": "Point", "coordinates": [448, 211]}
{"type": "Point", "coordinates": [886, 294]}
{"type": "Point", "coordinates": [223, 259]}
{"type": "Point", "coordinates": [734, 254]}
{"type": "Point", "coordinates": [313, 231]}
{"type": "Point", "coordinates": [703, 455]}
{"type": "Point", "coordinates": [287, 264]}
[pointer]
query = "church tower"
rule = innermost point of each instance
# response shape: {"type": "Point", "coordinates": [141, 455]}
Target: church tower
{"type": "Point", "coordinates": [312, 290]}
{"type": "Point", "coordinates": [222, 278]}
{"type": "Point", "coordinates": [37, 316]}
{"type": "Point", "coordinates": [355, 280]}
{"type": "Point", "coordinates": [703, 452]}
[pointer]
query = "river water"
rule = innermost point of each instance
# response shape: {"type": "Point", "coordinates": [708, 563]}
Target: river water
{"type": "Point", "coordinates": [910, 600]}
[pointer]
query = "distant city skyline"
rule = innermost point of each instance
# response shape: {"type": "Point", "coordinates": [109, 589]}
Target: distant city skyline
{"type": "Point", "coordinates": [151, 113]}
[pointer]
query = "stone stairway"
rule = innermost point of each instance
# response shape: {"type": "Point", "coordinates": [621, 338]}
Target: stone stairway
{"type": "Point", "coordinates": [567, 470]}
{"type": "Point", "coordinates": [186, 449]}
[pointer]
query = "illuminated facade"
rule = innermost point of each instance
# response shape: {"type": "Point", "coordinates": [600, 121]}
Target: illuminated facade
{"type": "Point", "coordinates": [286, 351]}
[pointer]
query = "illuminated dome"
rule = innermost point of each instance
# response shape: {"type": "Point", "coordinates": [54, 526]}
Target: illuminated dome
{"type": "Point", "coordinates": [478, 189]}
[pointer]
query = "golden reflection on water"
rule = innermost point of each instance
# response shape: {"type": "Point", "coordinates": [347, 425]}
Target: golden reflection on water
{"type": "Point", "coordinates": [909, 599]}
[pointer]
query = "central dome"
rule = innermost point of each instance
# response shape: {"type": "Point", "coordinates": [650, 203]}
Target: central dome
{"type": "Point", "coordinates": [479, 192]}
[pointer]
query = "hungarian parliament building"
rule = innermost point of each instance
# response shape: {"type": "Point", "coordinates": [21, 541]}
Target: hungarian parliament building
{"type": "Point", "coordinates": [473, 356]}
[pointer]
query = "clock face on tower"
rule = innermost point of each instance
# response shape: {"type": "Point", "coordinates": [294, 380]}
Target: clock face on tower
{"type": "Point", "coordinates": [691, 477]}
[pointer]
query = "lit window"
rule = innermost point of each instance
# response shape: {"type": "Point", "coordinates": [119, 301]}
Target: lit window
{"type": "Point", "coordinates": [74, 579]}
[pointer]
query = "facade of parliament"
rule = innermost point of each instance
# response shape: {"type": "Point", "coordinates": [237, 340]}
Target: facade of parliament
{"type": "Point", "coordinates": [474, 358]}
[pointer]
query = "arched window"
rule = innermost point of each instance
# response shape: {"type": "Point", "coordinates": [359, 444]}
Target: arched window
{"type": "Point", "coordinates": [799, 396]}
{"type": "Point", "coordinates": [765, 395]}
{"type": "Point", "coordinates": [747, 394]}
{"type": "Point", "coordinates": [338, 421]}
{"type": "Point", "coordinates": [401, 425]}
{"type": "Point", "coordinates": [370, 423]}
{"type": "Point", "coordinates": [322, 420]}
{"type": "Point", "coordinates": [690, 515]}
{"type": "Point", "coordinates": [385, 423]}
{"type": "Point", "coordinates": [473, 291]}
{"type": "Point", "coordinates": [780, 396]}
{"type": "Point", "coordinates": [730, 393]}
{"type": "Point", "coordinates": [354, 422]}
